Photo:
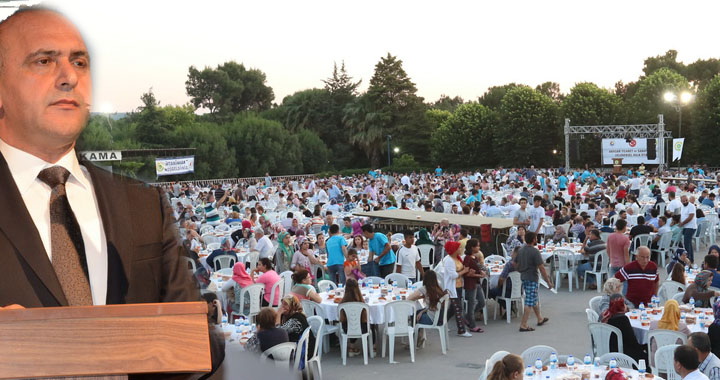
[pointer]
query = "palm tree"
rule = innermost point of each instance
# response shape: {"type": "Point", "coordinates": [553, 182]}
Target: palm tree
{"type": "Point", "coordinates": [367, 128]}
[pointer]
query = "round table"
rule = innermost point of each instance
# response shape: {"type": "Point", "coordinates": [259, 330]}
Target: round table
{"type": "Point", "coordinates": [601, 371]}
{"type": "Point", "coordinates": [371, 295]}
{"type": "Point", "coordinates": [641, 330]}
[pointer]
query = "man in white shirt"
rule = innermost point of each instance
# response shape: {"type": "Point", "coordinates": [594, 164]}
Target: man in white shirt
{"type": "Point", "coordinates": [537, 213]}
{"type": "Point", "coordinates": [674, 205]}
{"type": "Point", "coordinates": [322, 196]}
{"type": "Point", "coordinates": [251, 192]}
{"type": "Point", "coordinates": [405, 181]}
{"type": "Point", "coordinates": [709, 362]}
{"type": "Point", "coordinates": [688, 224]}
{"type": "Point", "coordinates": [408, 258]}
{"type": "Point", "coordinates": [686, 363]}
{"type": "Point", "coordinates": [521, 217]}
{"type": "Point", "coordinates": [264, 245]}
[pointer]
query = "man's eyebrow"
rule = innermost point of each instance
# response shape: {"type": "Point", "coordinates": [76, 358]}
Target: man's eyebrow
{"type": "Point", "coordinates": [55, 53]}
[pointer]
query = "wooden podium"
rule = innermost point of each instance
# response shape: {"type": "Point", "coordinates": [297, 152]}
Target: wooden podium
{"type": "Point", "coordinates": [104, 341]}
{"type": "Point", "coordinates": [617, 165]}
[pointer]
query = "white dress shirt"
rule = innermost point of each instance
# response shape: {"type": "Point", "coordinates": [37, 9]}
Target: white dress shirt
{"type": "Point", "coordinates": [695, 375]}
{"type": "Point", "coordinates": [24, 169]}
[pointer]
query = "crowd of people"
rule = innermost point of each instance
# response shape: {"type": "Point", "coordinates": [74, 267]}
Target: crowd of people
{"type": "Point", "coordinates": [308, 228]}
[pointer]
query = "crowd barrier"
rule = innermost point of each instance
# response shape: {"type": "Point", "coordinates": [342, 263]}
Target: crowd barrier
{"type": "Point", "coordinates": [210, 182]}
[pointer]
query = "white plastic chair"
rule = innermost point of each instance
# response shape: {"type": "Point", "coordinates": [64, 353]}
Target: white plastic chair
{"type": "Point", "coordinates": [313, 365]}
{"type": "Point", "coordinates": [326, 285]}
{"type": "Point", "coordinates": [251, 259]}
{"type": "Point", "coordinates": [663, 249]}
{"type": "Point", "coordinates": [190, 265]}
{"type": "Point", "coordinates": [701, 234]}
{"type": "Point", "coordinates": [642, 240]}
{"type": "Point", "coordinates": [600, 335]}
{"type": "Point", "coordinates": [604, 236]}
{"type": "Point", "coordinates": [623, 361]}
{"type": "Point", "coordinates": [303, 346]}
{"type": "Point", "coordinates": [665, 362]}
{"type": "Point", "coordinates": [515, 296]}
{"type": "Point", "coordinates": [668, 289]}
{"type": "Point", "coordinates": [371, 280]}
{"type": "Point", "coordinates": [224, 261]}
{"type": "Point", "coordinates": [495, 259]}
{"type": "Point", "coordinates": [353, 314]}
{"type": "Point", "coordinates": [402, 315]}
{"type": "Point", "coordinates": [490, 363]}
{"type": "Point", "coordinates": [279, 288]}
{"type": "Point", "coordinates": [225, 272]}
{"type": "Point", "coordinates": [255, 293]}
{"type": "Point", "coordinates": [537, 352]}
{"type": "Point", "coordinates": [594, 303]}
{"type": "Point", "coordinates": [311, 308]}
{"type": "Point", "coordinates": [398, 279]}
{"type": "Point", "coordinates": [213, 246]}
{"type": "Point", "coordinates": [662, 337]}
{"type": "Point", "coordinates": [222, 228]}
{"type": "Point", "coordinates": [210, 239]}
{"type": "Point", "coordinates": [426, 255]}
{"type": "Point", "coordinates": [440, 316]}
{"type": "Point", "coordinates": [566, 265]}
{"type": "Point", "coordinates": [600, 261]}
{"type": "Point", "coordinates": [206, 228]}
{"type": "Point", "coordinates": [282, 354]}
{"type": "Point", "coordinates": [287, 278]}
{"type": "Point", "coordinates": [592, 316]}
{"type": "Point", "coordinates": [679, 298]}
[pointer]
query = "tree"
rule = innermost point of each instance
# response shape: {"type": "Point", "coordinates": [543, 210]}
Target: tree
{"type": "Point", "coordinates": [96, 135]}
{"type": "Point", "coordinates": [552, 90]}
{"type": "Point", "coordinates": [213, 157]}
{"type": "Point", "coordinates": [369, 128]}
{"type": "Point", "coordinates": [706, 124]}
{"type": "Point", "coordinates": [465, 139]}
{"type": "Point", "coordinates": [529, 129]}
{"type": "Point", "coordinates": [228, 89]}
{"type": "Point", "coordinates": [494, 95]}
{"type": "Point", "coordinates": [341, 84]}
{"type": "Point", "coordinates": [263, 146]}
{"type": "Point", "coordinates": [309, 109]}
{"type": "Point", "coordinates": [155, 123]}
{"type": "Point", "coordinates": [668, 60]}
{"type": "Point", "coordinates": [313, 151]}
{"type": "Point", "coordinates": [587, 104]}
{"type": "Point", "coordinates": [447, 103]}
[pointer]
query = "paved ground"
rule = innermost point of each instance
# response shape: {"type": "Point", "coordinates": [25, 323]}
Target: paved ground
{"type": "Point", "coordinates": [566, 331]}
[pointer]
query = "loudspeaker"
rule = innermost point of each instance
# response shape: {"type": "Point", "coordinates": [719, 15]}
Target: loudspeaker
{"type": "Point", "coordinates": [651, 150]}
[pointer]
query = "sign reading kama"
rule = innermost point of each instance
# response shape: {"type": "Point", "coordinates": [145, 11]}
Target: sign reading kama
{"type": "Point", "coordinates": [174, 165]}
{"type": "Point", "coordinates": [102, 155]}
{"type": "Point", "coordinates": [633, 152]}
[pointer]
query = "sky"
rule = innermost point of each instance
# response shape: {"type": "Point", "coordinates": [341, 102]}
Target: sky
{"type": "Point", "coordinates": [447, 47]}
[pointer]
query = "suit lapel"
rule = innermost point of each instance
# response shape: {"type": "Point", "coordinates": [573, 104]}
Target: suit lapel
{"type": "Point", "coordinates": [114, 208]}
{"type": "Point", "coordinates": [16, 223]}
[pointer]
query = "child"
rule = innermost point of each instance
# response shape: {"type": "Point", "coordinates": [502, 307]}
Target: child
{"type": "Point", "coordinates": [352, 266]}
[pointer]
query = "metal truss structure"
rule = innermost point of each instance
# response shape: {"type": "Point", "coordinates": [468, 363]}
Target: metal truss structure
{"type": "Point", "coordinates": [646, 131]}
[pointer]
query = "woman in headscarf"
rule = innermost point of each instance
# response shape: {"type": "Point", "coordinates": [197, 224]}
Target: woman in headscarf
{"type": "Point", "coordinates": [304, 258]}
{"type": "Point", "coordinates": [284, 253]}
{"type": "Point", "coordinates": [516, 238]}
{"type": "Point", "coordinates": [680, 256]}
{"type": "Point", "coordinates": [454, 270]}
{"type": "Point", "coordinates": [699, 290]}
{"type": "Point", "coordinates": [615, 316]}
{"type": "Point", "coordinates": [714, 329]}
{"type": "Point", "coordinates": [423, 237]}
{"type": "Point", "coordinates": [357, 228]}
{"type": "Point", "coordinates": [714, 250]}
{"type": "Point", "coordinates": [670, 321]}
{"type": "Point", "coordinates": [233, 286]}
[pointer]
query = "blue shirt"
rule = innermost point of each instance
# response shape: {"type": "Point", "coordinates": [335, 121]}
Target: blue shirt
{"type": "Point", "coordinates": [377, 246]}
{"type": "Point", "coordinates": [471, 200]}
{"type": "Point", "coordinates": [334, 249]}
{"type": "Point", "coordinates": [562, 182]}
{"type": "Point", "coordinates": [438, 172]}
{"type": "Point", "coordinates": [708, 202]}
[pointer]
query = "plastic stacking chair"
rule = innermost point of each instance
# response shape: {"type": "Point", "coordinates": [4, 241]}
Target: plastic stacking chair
{"type": "Point", "coordinates": [440, 317]}
{"type": "Point", "coordinates": [515, 296]}
{"type": "Point", "coordinates": [397, 279]}
{"type": "Point", "coordinates": [490, 363]}
{"type": "Point", "coordinates": [600, 335]}
{"type": "Point", "coordinates": [282, 354]}
{"type": "Point", "coordinates": [662, 337]}
{"type": "Point", "coordinates": [665, 362]}
{"type": "Point", "coordinates": [311, 308]}
{"type": "Point", "coordinates": [537, 352]}
{"type": "Point", "coordinates": [255, 294]}
{"type": "Point", "coordinates": [353, 314]}
{"type": "Point", "coordinates": [592, 316]}
{"type": "Point", "coordinates": [623, 361]}
{"type": "Point", "coordinates": [402, 315]}
{"type": "Point", "coordinates": [326, 285]}
{"type": "Point", "coordinates": [224, 261]}
{"type": "Point", "coordinates": [601, 260]}
{"type": "Point", "coordinates": [313, 364]}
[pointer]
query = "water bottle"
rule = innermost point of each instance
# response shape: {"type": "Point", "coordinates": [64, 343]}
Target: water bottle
{"type": "Point", "coordinates": [538, 368]}
{"type": "Point", "coordinates": [570, 361]}
{"type": "Point", "coordinates": [563, 240]}
{"type": "Point", "coordinates": [692, 303]}
{"type": "Point", "coordinates": [597, 362]}
{"type": "Point", "coordinates": [687, 269]}
{"type": "Point", "coordinates": [253, 328]}
{"type": "Point", "coordinates": [641, 367]}
{"type": "Point", "coordinates": [340, 286]}
{"type": "Point", "coordinates": [553, 360]}
{"type": "Point", "coordinates": [642, 307]}
{"type": "Point", "coordinates": [613, 363]}
{"type": "Point", "coordinates": [529, 373]}
{"type": "Point", "coordinates": [224, 319]}
{"type": "Point", "coordinates": [382, 283]}
{"type": "Point", "coordinates": [587, 360]}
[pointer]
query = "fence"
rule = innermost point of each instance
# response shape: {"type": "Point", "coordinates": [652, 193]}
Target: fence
{"type": "Point", "coordinates": [210, 182]}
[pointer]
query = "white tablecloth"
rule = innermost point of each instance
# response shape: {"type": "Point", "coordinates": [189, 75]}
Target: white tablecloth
{"type": "Point", "coordinates": [641, 332]}
{"type": "Point", "coordinates": [377, 307]}
{"type": "Point", "coordinates": [555, 373]}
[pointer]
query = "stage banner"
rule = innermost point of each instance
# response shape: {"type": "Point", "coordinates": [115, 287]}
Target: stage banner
{"type": "Point", "coordinates": [174, 165]}
{"type": "Point", "coordinates": [678, 145]}
{"type": "Point", "coordinates": [632, 151]}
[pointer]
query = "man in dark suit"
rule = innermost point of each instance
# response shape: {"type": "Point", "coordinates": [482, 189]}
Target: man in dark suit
{"type": "Point", "coordinates": [71, 233]}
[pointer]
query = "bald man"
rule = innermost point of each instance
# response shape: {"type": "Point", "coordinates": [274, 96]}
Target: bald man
{"type": "Point", "coordinates": [641, 276]}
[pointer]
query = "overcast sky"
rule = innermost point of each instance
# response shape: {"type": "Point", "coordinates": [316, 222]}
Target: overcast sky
{"type": "Point", "coordinates": [447, 47]}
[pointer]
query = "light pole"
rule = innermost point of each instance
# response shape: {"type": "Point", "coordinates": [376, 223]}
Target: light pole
{"type": "Point", "coordinates": [678, 102]}
{"type": "Point", "coordinates": [389, 137]}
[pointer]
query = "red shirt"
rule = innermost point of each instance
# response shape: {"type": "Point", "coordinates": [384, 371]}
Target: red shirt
{"type": "Point", "coordinates": [641, 282]}
{"type": "Point", "coordinates": [571, 188]}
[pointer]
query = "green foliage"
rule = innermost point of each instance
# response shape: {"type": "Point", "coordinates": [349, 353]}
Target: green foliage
{"type": "Point", "coordinates": [404, 161]}
{"type": "Point", "coordinates": [552, 90]}
{"type": "Point", "coordinates": [341, 85]}
{"type": "Point", "coordinates": [529, 129]}
{"type": "Point", "coordinates": [466, 137]}
{"type": "Point", "coordinates": [265, 147]}
{"type": "Point", "coordinates": [96, 135]}
{"type": "Point", "coordinates": [707, 124]}
{"type": "Point", "coordinates": [314, 154]}
{"type": "Point", "coordinates": [228, 89]}
{"type": "Point", "coordinates": [447, 103]}
{"type": "Point", "coordinates": [213, 157]}
{"type": "Point", "coordinates": [494, 95]}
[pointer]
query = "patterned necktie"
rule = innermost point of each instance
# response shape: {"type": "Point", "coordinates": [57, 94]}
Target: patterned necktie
{"type": "Point", "coordinates": [68, 249]}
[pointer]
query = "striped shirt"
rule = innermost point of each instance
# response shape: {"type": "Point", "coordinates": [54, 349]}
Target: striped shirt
{"type": "Point", "coordinates": [641, 282]}
{"type": "Point", "coordinates": [711, 367]}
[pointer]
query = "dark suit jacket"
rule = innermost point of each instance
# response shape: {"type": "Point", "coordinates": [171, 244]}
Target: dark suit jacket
{"type": "Point", "coordinates": [143, 252]}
